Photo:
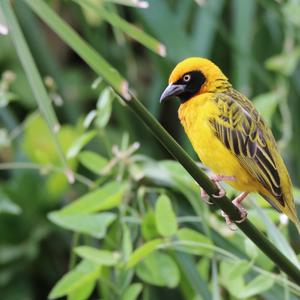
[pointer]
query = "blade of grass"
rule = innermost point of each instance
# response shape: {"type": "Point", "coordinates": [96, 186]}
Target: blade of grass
{"type": "Point", "coordinates": [215, 281]}
{"type": "Point", "coordinates": [276, 236]}
{"type": "Point", "coordinates": [87, 53]}
{"type": "Point", "coordinates": [133, 3]}
{"type": "Point", "coordinates": [243, 15]}
{"type": "Point", "coordinates": [35, 80]}
{"type": "Point", "coordinates": [205, 26]}
{"type": "Point", "coordinates": [131, 30]}
{"type": "Point", "coordinates": [92, 58]}
{"type": "Point", "coordinates": [189, 270]}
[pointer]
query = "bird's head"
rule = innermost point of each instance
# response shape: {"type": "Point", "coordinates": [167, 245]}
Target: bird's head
{"type": "Point", "coordinates": [194, 76]}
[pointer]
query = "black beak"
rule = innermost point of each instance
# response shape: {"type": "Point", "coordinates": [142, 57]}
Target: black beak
{"type": "Point", "coordinates": [172, 90]}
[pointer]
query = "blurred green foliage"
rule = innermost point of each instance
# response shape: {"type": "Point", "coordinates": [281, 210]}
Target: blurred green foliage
{"type": "Point", "coordinates": [132, 225]}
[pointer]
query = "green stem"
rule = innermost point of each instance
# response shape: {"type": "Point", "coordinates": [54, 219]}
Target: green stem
{"type": "Point", "coordinates": [224, 203]}
{"type": "Point", "coordinates": [75, 243]}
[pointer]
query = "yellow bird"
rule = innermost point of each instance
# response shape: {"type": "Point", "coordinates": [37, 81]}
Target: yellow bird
{"type": "Point", "coordinates": [229, 135]}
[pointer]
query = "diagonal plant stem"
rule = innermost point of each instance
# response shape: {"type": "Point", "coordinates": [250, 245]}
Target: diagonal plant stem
{"type": "Point", "coordinates": [70, 37]}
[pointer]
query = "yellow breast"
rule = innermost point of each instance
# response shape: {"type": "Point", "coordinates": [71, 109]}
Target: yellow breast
{"type": "Point", "coordinates": [194, 116]}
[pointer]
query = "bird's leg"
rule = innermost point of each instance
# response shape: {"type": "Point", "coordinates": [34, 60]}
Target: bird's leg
{"type": "Point", "coordinates": [204, 196]}
{"type": "Point", "coordinates": [216, 179]}
{"type": "Point", "coordinates": [237, 202]}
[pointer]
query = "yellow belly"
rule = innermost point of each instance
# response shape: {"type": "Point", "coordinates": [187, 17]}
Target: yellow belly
{"type": "Point", "coordinates": [194, 116]}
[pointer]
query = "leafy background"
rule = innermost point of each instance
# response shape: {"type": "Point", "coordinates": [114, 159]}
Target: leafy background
{"type": "Point", "coordinates": [100, 211]}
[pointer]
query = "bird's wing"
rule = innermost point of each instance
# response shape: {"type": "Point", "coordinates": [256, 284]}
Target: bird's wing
{"type": "Point", "coordinates": [239, 127]}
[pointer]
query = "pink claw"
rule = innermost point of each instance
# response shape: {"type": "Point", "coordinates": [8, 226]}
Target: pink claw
{"type": "Point", "coordinates": [237, 202]}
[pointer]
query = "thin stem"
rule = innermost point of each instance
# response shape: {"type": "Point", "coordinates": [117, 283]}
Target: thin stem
{"type": "Point", "coordinates": [50, 168]}
{"type": "Point", "coordinates": [75, 243]}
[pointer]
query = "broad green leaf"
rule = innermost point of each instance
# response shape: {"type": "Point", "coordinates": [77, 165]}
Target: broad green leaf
{"type": "Point", "coordinates": [149, 230]}
{"type": "Point", "coordinates": [104, 107]}
{"type": "Point", "coordinates": [38, 145]}
{"type": "Point", "coordinates": [132, 292]}
{"type": "Point", "coordinates": [92, 161]}
{"type": "Point", "coordinates": [85, 273]}
{"type": "Point", "coordinates": [237, 269]}
{"type": "Point", "coordinates": [142, 252]}
{"type": "Point", "coordinates": [99, 257]}
{"type": "Point", "coordinates": [159, 269]}
{"type": "Point", "coordinates": [195, 242]}
{"type": "Point", "coordinates": [93, 224]}
{"type": "Point", "coordinates": [82, 292]}
{"type": "Point", "coordinates": [232, 275]}
{"type": "Point", "coordinates": [257, 286]}
{"type": "Point", "coordinates": [80, 143]}
{"type": "Point", "coordinates": [165, 217]}
{"type": "Point", "coordinates": [106, 197]}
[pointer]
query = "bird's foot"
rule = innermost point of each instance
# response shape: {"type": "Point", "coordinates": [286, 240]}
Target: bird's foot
{"type": "Point", "coordinates": [243, 212]}
{"type": "Point", "coordinates": [216, 179]}
{"type": "Point", "coordinates": [204, 196]}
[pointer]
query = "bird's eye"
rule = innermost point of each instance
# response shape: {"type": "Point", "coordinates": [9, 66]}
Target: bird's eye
{"type": "Point", "coordinates": [187, 77]}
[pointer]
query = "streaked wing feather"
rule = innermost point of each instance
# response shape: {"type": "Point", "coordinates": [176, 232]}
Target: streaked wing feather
{"type": "Point", "coordinates": [239, 127]}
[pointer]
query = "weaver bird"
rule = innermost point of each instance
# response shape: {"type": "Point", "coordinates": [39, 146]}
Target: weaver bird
{"type": "Point", "coordinates": [229, 135]}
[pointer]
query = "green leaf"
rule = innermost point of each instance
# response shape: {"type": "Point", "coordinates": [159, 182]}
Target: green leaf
{"type": "Point", "coordinates": [80, 143]}
{"type": "Point", "coordinates": [231, 274]}
{"type": "Point", "coordinates": [99, 257]}
{"type": "Point", "coordinates": [195, 242]}
{"type": "Point", "coordinates": [284, 63]}
{"type": "Point", "coordinates": [84, 50]}
{"type": "Point", "coordinates": [92, 161]}
{"type": "Point", "coordinates": [132, 292]}
{"type": "Point", "coordinates": [131, 30]}
{"type": "Point", "coordinates": [82, 292]}
{"type": "Point", "coordinates": [84, 274]}
{"type": "Point", "coordinates": [149, 230]}
{"type": "Point", "coordinates": [142, 252]}
{"type": "Point", "coordinates": [267, 103]}
{"type": "Point", "coordinates": [106, 197]}
{"type": "Point", "coordinates": [159, 269]}
{"type": "Point", "coordinates": [126, 242]}
{"type": "Point", "coordinates": [165, 217]}
{"type": "Point", "coordinates": [7, 206]}
{"type": "Point", "coordinates": [251, 249]}
{"type": "Point", "coordinates": [104, 107]}
{"type": "Point", "coordinates": [277, 237]}
{"type": "Point", "coordinates": [257, 286]}
{"type": "Point", "coordinates": [93, 224]}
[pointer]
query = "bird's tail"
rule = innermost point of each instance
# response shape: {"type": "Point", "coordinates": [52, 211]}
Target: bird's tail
{"type": "Point", "coordinates": [289, 209]}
